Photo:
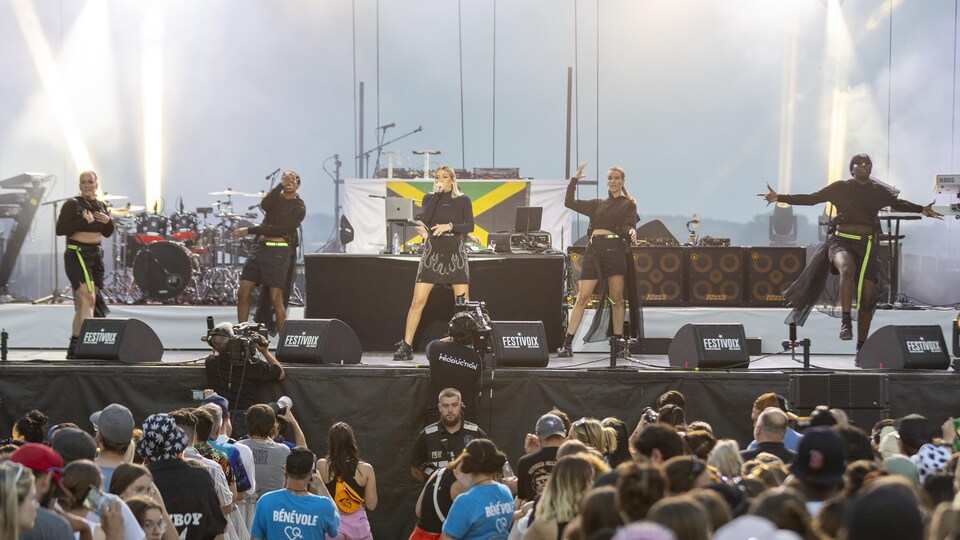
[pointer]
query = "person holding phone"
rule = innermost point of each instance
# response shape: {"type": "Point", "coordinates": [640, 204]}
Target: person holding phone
{"type": "Point", "coordinates": [85, 221]}
{"type": "Point", "coordinates": [84, 499]}
{"type": "Point", "coordinates": [447, 217]}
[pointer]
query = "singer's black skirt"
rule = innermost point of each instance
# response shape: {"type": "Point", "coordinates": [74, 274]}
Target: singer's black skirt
{"type": "Point", "coordinates": [444, 260]}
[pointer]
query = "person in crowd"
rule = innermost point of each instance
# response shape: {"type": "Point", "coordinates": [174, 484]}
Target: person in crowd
{"type": "Point", "coordinates": [792, 438]}
{"type": "Point", "coordinates": [850, 249]}
{"type": "Point", "coordinates": [787, 510]}
{"type": "Point", "coordinates": [622, 452]}
{"type": "Point", "coordinates": [857, 442]}
{"type": "Point", "coordinates": [560, 503]}
{"type": "Point", "coordinates": [31, 427]}
{"type": "Point", "coordinates": [270, 263]}
{"type": "Point", "coordinates": [717, 507]}
{"type": "Point", "coordinates": [671, 397]}
{"type": "Point", "coordinates": [45, 465]}
{"type": "Point", "coordinates": [598, 514]}
{"type": "Point", "coordinates": [612, 230]}
{"type": "Point", "coordinates": [672, 415]}
{"type": "Point", "coordinates": [684, 473]}
{"type": "Point", "coordinates": [268, 455]}
{"type": "Point", "coordinates": [73, 443]}
{"type": "Point", "coordinates": [683, 515]}
{"type": "Point", "coordinates": [769, 432]}
{"type": "Point", "coordinates": [187, 491]}
{"type": "Point", "coordinates": [486, 509]}
{"type": "Point", "coordinates": [241, 457]}
{"type": "Point", "coordinates": [725, 458]}
{"type": "Point", "coordinates": [132, 481]}
{"type": "Point", "coordinates": [651, 443]}
{"type": "Point", "coordinates": [533, 470]}
{"type": "Point", "coordinates": [85, 221]}
{"type": "Point", "coordinates": [888, 508]}
{"type": "Point", "coordinates": [149, 514]}
{"type": "Point", "coordinates": [447, 217]}
{"type": "Point", "coordinates": [434, 502]}
{"type": "Point", "coordinates": [80, 478]}
{"type": "Point", "coordinates": [441, 442]}
{"type": "Point", "coordinates": [294, 512]}
{"type": "Point", "coordinates": [455, 363]}
{"type": "Point", "coordinates": [639, 486]}
{"type": "Point", "coordinates": [350, 480]}
{"type": "Point", "coordinates": [917, 435]}
{"type": "Point", "coordinates": [698, 442]}
{"type": "Point", "coordinates": [114, 425]}
{"type": "Point", "coordinates": [239, 378]}
{"type": "Point", "coordinates": [819, 466]}
{"type": "Point", "coordinates": [18, 501]}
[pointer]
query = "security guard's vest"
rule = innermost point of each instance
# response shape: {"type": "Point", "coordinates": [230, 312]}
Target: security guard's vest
{"type": "Point", "coordinates": [444, 447]}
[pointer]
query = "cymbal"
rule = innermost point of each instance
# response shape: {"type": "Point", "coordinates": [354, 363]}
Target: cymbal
{"type": "Point", "coordinates": [230, 192]}
{"type": "Point", "coordinates": [108, 197]}
{"type": "Point", "coordinates": [126, 210]}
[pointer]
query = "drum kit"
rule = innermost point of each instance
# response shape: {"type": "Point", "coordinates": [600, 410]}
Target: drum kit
{"type": "Point", "coordinates": [183, 257]}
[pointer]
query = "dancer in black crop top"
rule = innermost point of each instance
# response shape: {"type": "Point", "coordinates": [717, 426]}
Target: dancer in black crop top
{"type": "Point", "coordinates": [612, 228]}
{"type": "Point", "coordinates": [85, 221]}
{"type": "Point", "coordinates": [447, 217]}
{"type": "Point", "coordinates": [850, 250]}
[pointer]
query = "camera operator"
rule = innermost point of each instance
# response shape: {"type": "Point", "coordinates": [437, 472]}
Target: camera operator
{"type": "Point", "coordinates": [235, 370]}
{"type": "Point", "coordinates": [455, 363]}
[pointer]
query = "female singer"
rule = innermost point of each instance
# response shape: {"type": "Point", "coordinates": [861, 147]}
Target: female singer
{"type": "Point", "coordinates": [446, 218]}
{"type": "Point", "coordinates": [613, 222]}
{"type": "Point", "coordinates": [85, 221]}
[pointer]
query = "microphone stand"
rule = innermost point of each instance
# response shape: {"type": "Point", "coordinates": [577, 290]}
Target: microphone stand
{"type": "Point", "coordinates": [57, 296]}
{"type": "Point", "coordinates": [381, 146]}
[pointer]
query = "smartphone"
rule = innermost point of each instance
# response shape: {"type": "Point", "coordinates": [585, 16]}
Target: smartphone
{"type": "Point", "coordinates": [197, 395]}
{"type": "Point", "coordinates": [96, 501]}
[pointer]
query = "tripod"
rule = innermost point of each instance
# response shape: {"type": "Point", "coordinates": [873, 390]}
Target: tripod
{"type": "Point", "coordinates": [58, 295]}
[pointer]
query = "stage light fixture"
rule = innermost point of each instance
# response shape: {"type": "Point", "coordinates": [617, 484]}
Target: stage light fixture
{"type": "Point", "coordinates": [783, 225]}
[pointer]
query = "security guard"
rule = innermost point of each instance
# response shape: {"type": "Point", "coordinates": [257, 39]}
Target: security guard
{"type": "Point", "coordinates": [441, 442]}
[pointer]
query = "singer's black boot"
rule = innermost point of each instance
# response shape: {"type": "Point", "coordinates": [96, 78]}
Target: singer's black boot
{"type": "Point", "coordinates": [72, 347]}
{"type": "Point", "coordinates": [566, 350]}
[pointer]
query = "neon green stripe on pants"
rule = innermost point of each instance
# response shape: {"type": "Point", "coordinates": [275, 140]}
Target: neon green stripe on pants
{"type": "Point", "coordinates": [83, 265]}
{"type": "Point", "coordinates": [863, 265]}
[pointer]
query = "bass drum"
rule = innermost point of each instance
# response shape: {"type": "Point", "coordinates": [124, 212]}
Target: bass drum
{"type": "Point", "coordinates": [163, 270]}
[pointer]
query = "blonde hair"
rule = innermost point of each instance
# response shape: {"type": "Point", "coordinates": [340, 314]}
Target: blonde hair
{"type": "Point", "coordinates": [623, 174]}
{"type": "Point", "coordinates": [15, 482]}
{"type": "Point", "coordinates": [455, 188]}
{"type": "Point", "coordinates": [594, 434]}
{"type": "Point", "coordinates": [571, 478]}
{"type": "Point", "coordinates": [725, 458]}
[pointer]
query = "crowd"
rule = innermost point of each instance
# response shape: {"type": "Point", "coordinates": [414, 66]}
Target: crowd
{"type": "Point", "coordinates": [180, 475]}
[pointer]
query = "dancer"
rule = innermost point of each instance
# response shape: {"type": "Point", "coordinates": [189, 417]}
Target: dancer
{"type": "Point", "coordinates": [850, 250]}
{"type": "Point", "coordinates": [613, 222]}
{"type": "Point", "coordinates": [85, 221]}
{"type": "Point", "coordinates": [271, 261]}
{"type": "Point", "coordinates": [447, 217]}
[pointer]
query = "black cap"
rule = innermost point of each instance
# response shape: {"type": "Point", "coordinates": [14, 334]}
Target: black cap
{"type": "Point", "coordinates": [300, 462]}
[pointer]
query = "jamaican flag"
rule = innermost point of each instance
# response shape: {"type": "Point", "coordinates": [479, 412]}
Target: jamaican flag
{"type": "Point", "coordinates": [494, 203]}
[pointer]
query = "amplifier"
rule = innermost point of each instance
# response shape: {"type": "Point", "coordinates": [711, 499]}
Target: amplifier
{"type": "Point", "coordinates": [530, 241]}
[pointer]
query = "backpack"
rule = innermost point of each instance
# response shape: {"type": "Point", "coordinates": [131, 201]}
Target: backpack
{"type": "Point", "coordinates": [347, 499]}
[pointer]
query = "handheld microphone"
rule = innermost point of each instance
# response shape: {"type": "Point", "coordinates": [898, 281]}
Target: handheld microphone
{"type": "Point", "coordinates": [269, 176]}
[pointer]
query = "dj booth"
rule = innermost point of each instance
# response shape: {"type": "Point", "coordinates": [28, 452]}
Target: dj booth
{"type": "Point", "coordinates": [372, 294]}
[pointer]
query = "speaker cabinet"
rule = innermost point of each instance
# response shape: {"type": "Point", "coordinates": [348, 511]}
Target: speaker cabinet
{"type": "Point", "coordinates": [709, 346]}
{"type": "Point", "coordinates": [520, 344]}
{"type": "Point", "coordinates": [130, 341]}
{"type": "Point", "coordinates": [715, 276]}
{"type": "Point", "coordinates": [659, 272]}
{"type": "Point", "coordinates": [905, 347]}
{"type": "Point", "coordinates": [318, 341]}
{"type": "Point", "coordinates": [846, 391]}
{"type": "Point", "coordinates": [770, 270]}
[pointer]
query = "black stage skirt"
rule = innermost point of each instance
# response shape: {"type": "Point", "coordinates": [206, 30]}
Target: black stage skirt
{"type": "Point", "coordinates": [613, 258]}
{"type": "Point", "coordinates": [444, 261]}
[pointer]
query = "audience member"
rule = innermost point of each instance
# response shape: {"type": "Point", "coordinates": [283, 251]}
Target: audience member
{"type": "Point", "coordinates": [888, 508]}
{"type": "Point", "coordinates": [82, 476]}
{"type": "Point", "coordinates": [560, 502]}
{"type": "Point", "coordinates": [787, 510]}
{"type": "Point", "coordinates": [684, 473]}
{"type": "Point", "coordinates": [791, 439]}
{"type": "Point", "coordinates": [73, 444]}
{"type": "Point", "coordinates": [698, 443]}
{"type": "Point", "coordinates": [671, 415]}
{"type": "Point", "coordinates": [486, 509]}
{"type": "Point", "coordinates": [150, 516]}
{"type": "Point", "coordinates": [856, 441]}
{"type": "Point", "coordinates": [769, 431]}
{"type": "Point", "coordinates": [31, 427]}
{"type": "Point", "coordinates": [591, 432]}
{"type": "Point", "coordinates": [725, 458]}
{"type": "Point", "coordinates": [598, 512]}
{"type": "Point", "coordinates": [819, 466]}
{"type": "Point", "coordinates": [114, 425]}
{"type": "Point", "coordinates": [269, 456]}
{"type": "Point", "coordinates": [534, 469]}
{"type": "Point", "coordinates": [718, 510]}
{"type": "Point", "coordinates": [241, 457]}
{"type": "Point", "coordinates": [18, 500]}
{"type": "Point", "coordinates": [622, 453]}
{"type": "Point", "coordinates": [294, 512]}
{"type": "Point", "coordinates": [350, 480]}
{"type": "Point", "coordinates": [639, 486]}
{"type": "Point", "coordinates": [671, 397]}
{"type": "Point", "coordinates": [434, 503]}
{"type": "Point", "coordinates": [441, 442]}
{"type": "Point", "coordinates": [132, 481]}
{"type": "Point", "coordinates": [45, 466]}
{"type": "Point", "coordinates": [683, 515]}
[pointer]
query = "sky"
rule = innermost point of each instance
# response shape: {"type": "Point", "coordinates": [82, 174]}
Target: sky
{"type": "Point", "coordinates": [702, 103]}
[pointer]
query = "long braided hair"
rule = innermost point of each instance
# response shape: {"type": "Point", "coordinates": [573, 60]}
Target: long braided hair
{"type": "Point", "coordinates": [623, 175]}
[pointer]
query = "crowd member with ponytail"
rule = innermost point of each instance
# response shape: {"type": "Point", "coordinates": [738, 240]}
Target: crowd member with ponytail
{"type": "Point", "coordinates": [486, 509]}
{"type": "Point", "coordinates": [560, 503]}
{"type": "Point", "coordinates": [350, 480]}
{"type": "Point", "coordinates": [612, 229]}
{"type": "Point", "coordinates": [31, 428]}
{"type": "Point", "coordinates": [592, 433]}
{"type": "Point", "coordinates": [18, 501]}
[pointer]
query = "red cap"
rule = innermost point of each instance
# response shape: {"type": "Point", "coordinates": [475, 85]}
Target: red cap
{"type": "Point", "coordinates": [40, 458]}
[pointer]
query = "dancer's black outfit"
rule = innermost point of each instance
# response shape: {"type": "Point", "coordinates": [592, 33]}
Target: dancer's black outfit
{"type": "Point", "coordinates": [856, 204]}
{"type": "Point", "coordinates": [272, 264]}
{"type": "Point", "coordinates": [444, 258]}
{"type": "Point", "coordinates": [605, 256]}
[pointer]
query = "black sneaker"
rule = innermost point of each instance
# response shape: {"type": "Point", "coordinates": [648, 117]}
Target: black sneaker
{"type": "Point", "coordinates": [566, 351]}
{"type": "Point", "coordinates": [621, 350]}
{"type": "Point", "coordinates": [404, 352]}
{"type": "Point", "coordinates": [846, 331]}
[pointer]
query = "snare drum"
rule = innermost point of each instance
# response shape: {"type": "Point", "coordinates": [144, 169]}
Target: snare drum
{"type": "Point", "coordinates": [184, 226]}
{"type": "Point", "coordinates": [163, 270]}
{"type": "Point", "coordinates": [151, 227]}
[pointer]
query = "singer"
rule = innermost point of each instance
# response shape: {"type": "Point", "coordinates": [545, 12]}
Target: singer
{"type": "Point", "coordinates": [85, 221]}
{"type": "Point", "coordinates": [850, 249]}
{"type": "Point", "coordinates": [446, 218]}
{"type": "Point", "coordinates": [613, 221]}
{"type": "Point", "coordinates": [272, 260]}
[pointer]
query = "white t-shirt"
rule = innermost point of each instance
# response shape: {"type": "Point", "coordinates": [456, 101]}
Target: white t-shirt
{"type": "Point", "coordinates": [131, 527]}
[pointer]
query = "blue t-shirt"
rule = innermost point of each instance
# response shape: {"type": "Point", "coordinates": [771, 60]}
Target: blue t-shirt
{"type": "Point", "coordinates": [484, 512]}
{"type": "Point", "coordinates": [281, 515]}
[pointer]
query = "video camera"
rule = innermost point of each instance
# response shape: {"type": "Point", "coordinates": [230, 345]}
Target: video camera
{"type": "Point", "coordinates": [478, 312]}
{"type": "Point", "coordinates": [242, 345]}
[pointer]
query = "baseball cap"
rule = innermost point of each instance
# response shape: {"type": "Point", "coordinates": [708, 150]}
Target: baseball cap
{"type": "Point", "coordinates": [115, 423]}
{"type": "Point", "coordinates": [300, 461]}
{"type": "Point", "coordinates": [915, 430]}
{"type": "Point", "coordinates": [903, 466]}
{"type": "Point", "coordinates": [73, 444]}
{"type": "Point", "coordinates": [549, 425]}
{"type": "Point", "coordinates": [219, 401]}
{"type": "Point", "coordinates": [40, 458]}
{"type": "Point", "coordinates": [821, 457]}
{"type": "Point", "coordinates": [752, 528]}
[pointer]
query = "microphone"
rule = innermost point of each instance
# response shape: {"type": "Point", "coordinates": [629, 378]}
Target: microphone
{"type": "Point", "coordinates": [336, 160]}
{"type": "Point", "coordinates": [390, 125]}
{"type": "Point", "coordinates": [269, 176]}
{"type": "Point", "coordinates": [252, 207]}
{"type": "Point", "coordinates": [209, 323]}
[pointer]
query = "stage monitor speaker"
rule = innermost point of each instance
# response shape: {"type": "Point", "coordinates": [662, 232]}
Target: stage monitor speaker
{"type": "Point", "coordinates": [130, 341]}
{"type": "Point", "coordinates": [905, 347]}
{"type": "Point", "coordinates": [659, 273]}
{"type": "Point", "coordinates": [846, 391]}
{"type": "Point", "coordinates": [520, 344]}
{"type": "Point", "coordinates": [770, 270]}
{"type": "Point", "coordinates": [709, 346]}
{"type": "Point", "coordinates": [715, 276]}
{"type": "Point", "coordinates": [318, 341]}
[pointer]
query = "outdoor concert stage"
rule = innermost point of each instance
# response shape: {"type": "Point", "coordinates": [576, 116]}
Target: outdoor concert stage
{"type": "Point", "coordinates": [385, 401]}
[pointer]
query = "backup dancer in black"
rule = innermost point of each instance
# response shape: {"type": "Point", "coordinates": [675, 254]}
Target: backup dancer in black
{"type": "Point", "coordinates": [85, 221]}
{"type": "Point", "coordinates": [850, 250]}
{"type": "Point", "coordinates": [447, 218]}
{"type": "Point", "coordinates": [611, 230]}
